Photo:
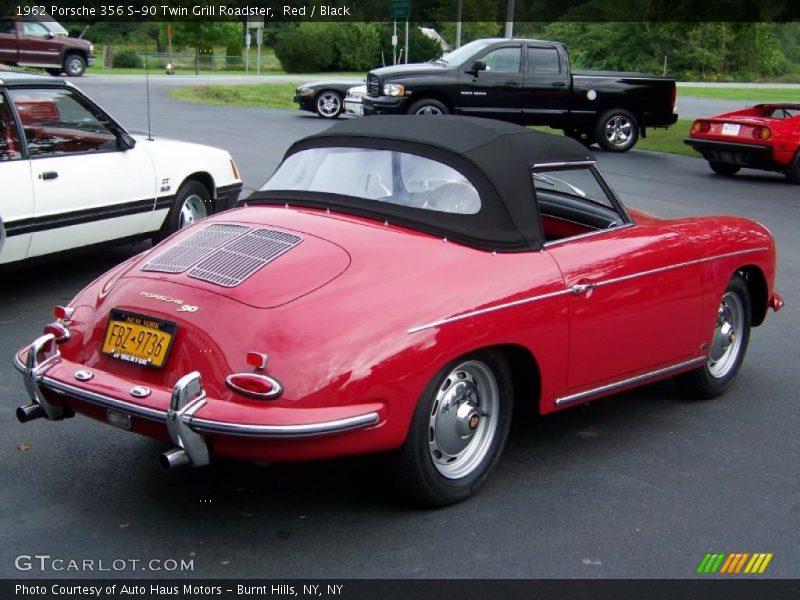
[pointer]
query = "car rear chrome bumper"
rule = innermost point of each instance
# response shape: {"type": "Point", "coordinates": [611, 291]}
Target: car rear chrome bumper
{"type": "Point", "coordinates": [186, 401]}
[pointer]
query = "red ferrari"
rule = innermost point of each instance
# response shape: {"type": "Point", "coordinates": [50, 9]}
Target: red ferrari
{"type": "Point", "coordinates": [397, 285]}
{"type": "Point", "coordinates": [766, 137]}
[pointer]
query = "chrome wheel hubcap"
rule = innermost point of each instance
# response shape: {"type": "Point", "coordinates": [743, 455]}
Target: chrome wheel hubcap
{"type": "Point", "coordinates": [463, 419]}
{"type": "Point", "coordinates": [193, 209]}
{"type": "Point", "coordinates": [429, 110]}
{"type": "Point", "coordinates": [727, 342]}
{"type": "Point", "coordinates": [618, 130]}
{"type": "Point", "coordinates": [328, 105]}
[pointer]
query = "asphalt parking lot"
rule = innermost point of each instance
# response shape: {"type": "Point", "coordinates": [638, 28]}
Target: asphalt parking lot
{"type": "Point", "coordinates": [640, 485]}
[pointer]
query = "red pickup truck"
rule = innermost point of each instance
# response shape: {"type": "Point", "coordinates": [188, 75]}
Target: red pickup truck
{"type": "Point", "coordinates": [46, 44]}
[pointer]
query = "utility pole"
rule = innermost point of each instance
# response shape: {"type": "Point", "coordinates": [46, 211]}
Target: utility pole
{"type": "Point", "coordinates": [510, 18]}
{"type": "Point", "coordinates": [458, 23]}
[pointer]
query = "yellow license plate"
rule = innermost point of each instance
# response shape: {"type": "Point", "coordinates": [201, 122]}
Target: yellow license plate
{"type": "Point", "coordinates": [138, 339]}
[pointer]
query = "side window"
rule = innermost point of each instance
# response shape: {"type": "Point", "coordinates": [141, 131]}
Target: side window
{"type": "Point", "coordinates": [35, 29]}
{"type": "Point", "coordinates": [503, 60]}
{"type": "Point", "coordinates": [572, 202]}
{"type": "Point", "coordinates": [7, 26]}
{"type": "Point", "coordinates": [56, 122]}
{"type": "Point", "coordinates": [543, 61]}
{"type": "Point", "coordinates": [9, 136]}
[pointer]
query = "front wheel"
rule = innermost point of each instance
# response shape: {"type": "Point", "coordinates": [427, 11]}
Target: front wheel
{"type": "Point", "coordinates": [329, 104]}
{"type": "Point", "coordinates": [724, 169]}
{"type": "Point", "coordinates": [728, 344]}
{"type": "Point", "coordinates": [458, 430]}
{"type": "Point", "coordinates": [192, 203]}
{"type": "Point", "coordinates": [617, 130]}
{"type": "Point", "coordinates": [428, 106]}
{"type": "Point", "coordinates": [74, 65]}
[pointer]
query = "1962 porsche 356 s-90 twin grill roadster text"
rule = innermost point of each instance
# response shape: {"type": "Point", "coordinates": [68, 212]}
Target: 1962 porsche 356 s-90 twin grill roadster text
{"type": "Point", "coordinates": [395, 286]}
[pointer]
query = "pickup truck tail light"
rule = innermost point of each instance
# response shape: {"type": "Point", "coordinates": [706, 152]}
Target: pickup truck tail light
{"type": "Point", "coordinates": [762, 133]}
{"type": "Point", "coordinates": [701, 127]}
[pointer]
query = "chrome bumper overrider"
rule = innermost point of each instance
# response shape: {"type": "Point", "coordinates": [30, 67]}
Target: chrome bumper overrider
{"type": "Point", "coordinates": [188, 398]}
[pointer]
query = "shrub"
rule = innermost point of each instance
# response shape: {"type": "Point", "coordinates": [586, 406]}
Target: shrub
{"type": "Point", "coordinates": [127, 59]}
{"type": "Point", "coordinates": [233, 54]}
{"type": "Point", "coordinates": [307, 48]}
{"type": "Point", "coordinates": [356, 45]}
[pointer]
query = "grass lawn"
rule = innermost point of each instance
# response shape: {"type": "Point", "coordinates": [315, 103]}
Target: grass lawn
{"type": "Point", "coordinates": [742, 93]}
{"type": "Point", "coordinates": [265, 95]}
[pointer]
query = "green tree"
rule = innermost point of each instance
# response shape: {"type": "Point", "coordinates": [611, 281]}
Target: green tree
{"type": "Point", "coordinates": [202, 35]}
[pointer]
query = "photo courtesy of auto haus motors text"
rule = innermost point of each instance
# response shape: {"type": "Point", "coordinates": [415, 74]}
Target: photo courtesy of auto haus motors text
{"type": "Point", "coordinates": [399, 299]}
{"type": "Point", "coordinates": [185, 590]}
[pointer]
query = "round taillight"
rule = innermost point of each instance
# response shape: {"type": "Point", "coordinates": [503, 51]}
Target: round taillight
{"type": "Point", "coordinates": [254, 385]}
{"type": "Point", "coordinates": [701, 127]}
{"type": "Point", "coordinates": [762, 133]}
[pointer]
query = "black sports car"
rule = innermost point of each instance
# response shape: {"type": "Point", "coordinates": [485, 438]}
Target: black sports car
{"type": "Point", "coordinates": [326, 98]}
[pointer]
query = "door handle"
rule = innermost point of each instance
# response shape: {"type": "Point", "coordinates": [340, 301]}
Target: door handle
{"type": "Point", "coordinates": [48, 175]}
{"type": "Point", "coordinates": [558, 84]}
{"type": "Point", "coordinates": [582, 288]}
{"type": "Point", "coordinates": [512, 82]}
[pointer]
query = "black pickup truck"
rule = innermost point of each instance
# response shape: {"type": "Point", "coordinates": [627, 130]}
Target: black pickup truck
{"type": "Point", "coordinates": [527, 82]}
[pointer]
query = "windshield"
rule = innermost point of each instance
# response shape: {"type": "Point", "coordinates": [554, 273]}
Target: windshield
{"type": "Point", "coordinates": [461, 55]}
{"type": "Point", "coordinates": [378, 175]}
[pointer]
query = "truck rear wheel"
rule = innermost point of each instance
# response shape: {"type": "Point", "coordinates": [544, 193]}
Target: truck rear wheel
{"type": "Point", "coordinates": [617, 130]}
{"type": "Point", "coordinates": [428, 106]}
{"type": "Point", "coordinates": [74, 65]}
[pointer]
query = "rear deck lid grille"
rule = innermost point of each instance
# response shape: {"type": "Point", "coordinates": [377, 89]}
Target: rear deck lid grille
{"type": "Point", "coordinates": [223, 254]}
{"type": "Point", "coordinates": [231, 265]}
{"type": "Point", "coordinates": [193, 249]}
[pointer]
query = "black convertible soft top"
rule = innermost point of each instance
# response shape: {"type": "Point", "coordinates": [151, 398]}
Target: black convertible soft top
{"type": "Point", "coordinates": [495, 156]}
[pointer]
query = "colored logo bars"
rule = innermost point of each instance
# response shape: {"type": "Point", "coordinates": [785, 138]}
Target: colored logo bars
{"type": "Point", "coordinates": [734, 563]}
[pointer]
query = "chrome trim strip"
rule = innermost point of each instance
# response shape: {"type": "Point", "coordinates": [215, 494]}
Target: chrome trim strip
{"type": "Point", "coordinates": [626, 382]}
{"type": "Point", "coordinates": [688, 263]}
{"type": "Point", "coordinates": [483, 311]}
{"type": "Point", "coordinates": [357, 422]}
{"type": "Point", "coordinates": [210, 426]}
{"type": "Point", "coordinates": [557, 165]}
{"type": "Point", "coordinates": [581, 236]}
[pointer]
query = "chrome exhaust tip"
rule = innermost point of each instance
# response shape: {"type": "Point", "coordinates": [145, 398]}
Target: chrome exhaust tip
{"type": "Point", "coordinates": [29, 412]}
{"type": "Point", "coordinates": [172, 459]}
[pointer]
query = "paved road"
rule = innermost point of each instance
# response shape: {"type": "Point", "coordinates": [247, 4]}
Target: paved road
{"type": "Point", "coordinates": [640, 485]}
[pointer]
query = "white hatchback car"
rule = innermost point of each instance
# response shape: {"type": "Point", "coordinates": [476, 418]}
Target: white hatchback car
{"type": "Point", "coordinates": [71, 176]}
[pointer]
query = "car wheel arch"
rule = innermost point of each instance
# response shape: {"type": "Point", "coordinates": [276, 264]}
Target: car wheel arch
{"type": "Point", "coordinates": [432, 95]}
{"type": "Point", "coordinates": [207, 181]}
{"type": "Point", "coordinates": [757, 287]}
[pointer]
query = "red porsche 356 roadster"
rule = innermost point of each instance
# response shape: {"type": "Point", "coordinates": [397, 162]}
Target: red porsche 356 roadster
{"type": "Point", "coordinates": [765, 136]}
{"type": "Point", "coordinates": [397, 285]}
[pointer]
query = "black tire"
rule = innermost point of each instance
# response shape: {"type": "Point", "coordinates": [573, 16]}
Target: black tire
{"type": "Point", "coordinates": [192, 197]}
{"type": "Point", "coordinates": [617, 130]}
{"type": "Point", "coordinates": [74, 65]}
{"type": "Point", "coordinates": [719, 371]}
{"type": "Point", "coordinates": [584, 136]}
{"type": "Point", "coordinates": [453, 409]}
{"type": "Point", "coordinates": [793, 170]}
{"type": "Point", "coordinates": [428, 106]}
{"type": "Point", "coordinates": [328, 104]}
{"type": "Point", "coordinates": [55, 72]}
{"type": "Point", "coordinates": [724, 169]}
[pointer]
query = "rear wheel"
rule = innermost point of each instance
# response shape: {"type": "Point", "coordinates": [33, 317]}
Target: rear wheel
{"type": "Point", "coordinates": [725, 169]}
{"type": "Point", "coordinates": [793, 170]}
{"type": "Point", "coordinates": [617, 130]}
{"type": "Point", "coordinates": [458, 430]}
{"type": "Point", "coordinates": [728, 344]}
{"type": "Point", "coordinates": [74, 65]}
{"type": "Point", "coordinates": [428, 106]}
{"type": "Point", "coordinates": [329, 104]}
